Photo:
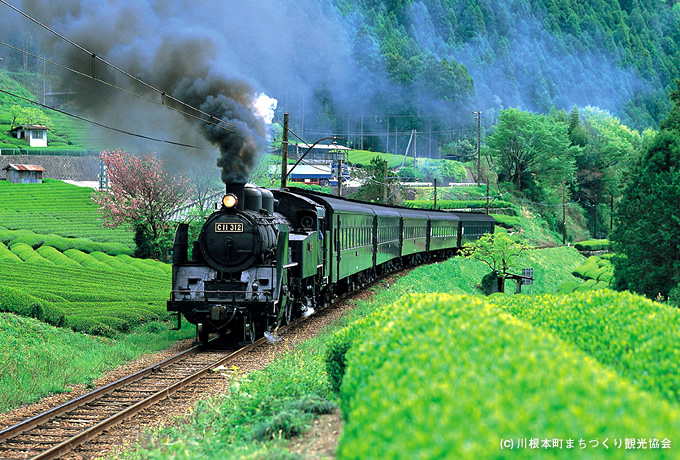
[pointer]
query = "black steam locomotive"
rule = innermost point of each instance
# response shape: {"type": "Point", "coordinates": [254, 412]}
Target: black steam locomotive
{"type": "Point", "coordinates": [269, 256]}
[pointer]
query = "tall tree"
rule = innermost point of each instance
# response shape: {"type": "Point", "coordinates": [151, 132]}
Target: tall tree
{"type": "Point", "coordinates": [141, 194]}
{"type": "Point", "coordinates": [647, 233]}
{"type": "Point", "coordinates": [527, 145]}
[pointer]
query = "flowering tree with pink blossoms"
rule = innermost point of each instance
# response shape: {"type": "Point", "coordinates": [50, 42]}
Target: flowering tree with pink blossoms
{"type": "Point", "coordinates": [143, 195]}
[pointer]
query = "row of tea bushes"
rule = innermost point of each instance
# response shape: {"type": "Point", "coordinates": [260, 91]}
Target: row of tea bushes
{"type": "Point", "coordinates": [592, 245]}
{"type": "Point", "coordinates": [111, 317]}
{"type": "Point", "coordinates": [96, 260]}
{"type": "Point", "coordinates": [35, 240]}
{"type": "Point", "coordinates": [631, 334]}
{"type": "Point", "coordinates": [86, 300]}
{"type": "Point", "coordinates": [462, 204]}
{"type": "Point", "coordinates": [56, 207]}
{"type": "Point", "coordinates": [453, 377]}
{"type": "Point", "coordinates": [13, 300]}
{"type": "Point", "coordinates": [597, 272]}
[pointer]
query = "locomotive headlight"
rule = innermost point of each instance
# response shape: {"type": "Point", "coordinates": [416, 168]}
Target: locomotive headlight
{"type": "Point", "coordinates": [229, 200]}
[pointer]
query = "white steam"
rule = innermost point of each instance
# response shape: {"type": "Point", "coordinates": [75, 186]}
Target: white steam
{"type": "Point", "coordinates": [264, 107]}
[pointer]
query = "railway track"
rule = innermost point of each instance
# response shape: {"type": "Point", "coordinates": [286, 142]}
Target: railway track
{"type": "Point", "coordinates": [58, 431]}
{"type": "Point", "coordinates": [75, 424]}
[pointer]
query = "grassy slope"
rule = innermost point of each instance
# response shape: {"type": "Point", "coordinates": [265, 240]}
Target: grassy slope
{"type": "Point", "coordinates": [56, 207]}
{"type": "Point", "coordinates": [67, 133]}
{"type": "Point", "coordinates": [118, 293]}
{"type": "Point", "coordinates": [37, 359]}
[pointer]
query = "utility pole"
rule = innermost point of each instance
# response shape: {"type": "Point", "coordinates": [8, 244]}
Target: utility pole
{"type": "Point", "coordinates": [361, 139]}
{"type": "Point", "coordinates": [478, 116]}
{"type": "Point", "coordinates": [564, 215]}
{"type": "Point", "coordinates": [284, 151]}
{"type": "Point", "coordinates": [415, 148]}
{"type": "Point", "coordinates": [340, 178]}
{"type": "Point", "coordinates": [435, 193]}
{"type": "Point", "coordinates": [386, 188]}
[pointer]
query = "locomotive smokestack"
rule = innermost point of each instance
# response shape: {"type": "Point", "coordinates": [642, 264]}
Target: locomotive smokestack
{"type": "Point", "coordinates": [238, 189]}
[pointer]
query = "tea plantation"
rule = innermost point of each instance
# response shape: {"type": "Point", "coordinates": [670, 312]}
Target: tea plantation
{"type": "Point", "coordinates": [55, 207]}
{"type": "Point", "coordinates": [467, 377]}
{"type": "Point", "coordinates": [59, 265]}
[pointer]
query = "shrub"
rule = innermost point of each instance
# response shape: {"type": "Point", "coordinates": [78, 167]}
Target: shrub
{"type": "Point", "coordinates": [27, 254]}
{"type": "Point", "coordinates": [56, 257]}
{"type": "Point", "coordinates": [114, 262]}
{"type": "Point", "coordinates": [86, 260]}
{"type": "Point", "coordinates": [8, 256]}
{"type": "Point", "coordinates": [450, 376]}
{"type": "Point", "coordinates": [592, 245]}
{"type": "Point", "coordinates": [507, 221]}
{"type": "Point", "coordinates": [8, 235]}
{"type": "Point", "coordinates": [568, 287]}
{"type": "Point", "coordinates": [34, 241]}
{"type": "Point", "coordinates": [17, 301]}
{"type": "Point", "coordinates": [633, 335]}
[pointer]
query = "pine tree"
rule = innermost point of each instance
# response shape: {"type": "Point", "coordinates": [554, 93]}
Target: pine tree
{"type": "Point", "coordinates": [647, 233]}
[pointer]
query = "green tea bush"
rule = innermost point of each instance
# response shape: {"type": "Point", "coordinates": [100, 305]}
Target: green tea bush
{"type": "Point", "coordinates": [336, 351]}
{"type": "Point", "coordinates": [507, 221]}
{"type": "Point", "coordinates": [35, 241]}
{"type": "Point", "coordinates": [114, 262]}
{"type": "Point", "coordinates": [86, 260]}
{"type": "Point", "coordinates": [16, 301]}
{"type": "Point", "coordinates": [8, 256]}
{"type": "Point", "coordinates": [141, 264]}
{"type": "Point", "coordinates": [27, 254]}
{"type": "Point", "coordinates": [598, 273]}
{"type": "Point", "coordinates": [85, 245]}
{"type": "Point", "coordinates": [56, 257]}
{"type": "Point", "coordinates": [568, 287]}
{"type": "Point", "coordinates": [587, 285]}
{"type": "Point", "coordinates": [592, 245]}
{"type": "Point", "coordinates": [633, 335]}
{"type": "Point", "coordinates": [445, 376]}
{"type": "Point", "coordinates": [8, 235]}
{"type": "Point", "coordinates": [459, 204]}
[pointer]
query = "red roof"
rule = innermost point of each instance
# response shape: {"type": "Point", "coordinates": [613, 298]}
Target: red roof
{"type": "Point", "coordinates": [24, 167]}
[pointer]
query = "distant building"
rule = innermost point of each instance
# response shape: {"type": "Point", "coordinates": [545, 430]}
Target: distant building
{"type": "Point", "coordinates": [24, 174]}
{"type": "Point", "coordinates": [36, 135]}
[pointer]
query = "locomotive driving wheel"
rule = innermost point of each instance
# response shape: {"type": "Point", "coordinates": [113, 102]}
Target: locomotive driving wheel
{"type": "Point", "coordinates": [248, 330]}
{"type": "Point", "coordinates": [288, 311]}
{"type": "Point", "coordinates": [203, 333]}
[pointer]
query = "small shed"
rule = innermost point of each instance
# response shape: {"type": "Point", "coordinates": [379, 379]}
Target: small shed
{"type": "Point", "coordinates": [24, 174]}
{"type": "Point", "coordinates": [36, 135]}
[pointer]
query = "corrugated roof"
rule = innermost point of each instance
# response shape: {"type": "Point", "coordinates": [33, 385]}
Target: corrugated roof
{"type": "Point", "coordinates": [24, 167]}
{"type": "Point", "coordinates": [33, 127]}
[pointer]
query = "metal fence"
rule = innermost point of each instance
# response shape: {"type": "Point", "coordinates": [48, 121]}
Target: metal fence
{"type": "Point", "coordinates": [50, 152]}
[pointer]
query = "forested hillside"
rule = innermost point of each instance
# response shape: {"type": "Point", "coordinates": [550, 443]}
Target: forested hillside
{"type": "Point", "coordinates": [370, 70]}
{"type": "Point", "coordinates": [534, 54]}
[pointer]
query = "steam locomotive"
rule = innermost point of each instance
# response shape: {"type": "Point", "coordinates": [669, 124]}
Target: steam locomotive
{"type": "Point", "coordinates": [267, 256]}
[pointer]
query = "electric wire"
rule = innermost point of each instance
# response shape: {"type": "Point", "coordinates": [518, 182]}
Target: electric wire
{"type": "Point", "coordinates": [96, 57]}
{"type": "Point", "coordinates": [101, 125]}
{"type": "Point", "coordinates": [104, 82]}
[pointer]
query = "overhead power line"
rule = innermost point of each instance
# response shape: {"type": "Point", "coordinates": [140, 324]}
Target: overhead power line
{"type": "Point", "coordinates": [104, 82]}
{"type": "Point", "coordinates": [95, 57]}
{"type": "Point", "coordinates": [101, 125]}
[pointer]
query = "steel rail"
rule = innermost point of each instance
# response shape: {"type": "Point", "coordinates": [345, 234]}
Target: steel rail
{"type": "Point", "coordinates": [32, 422]}
{"type": "Point", "coordinates": [92, 432]}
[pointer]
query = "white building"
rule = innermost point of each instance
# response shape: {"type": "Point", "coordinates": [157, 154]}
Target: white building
{"type": "Point", "coordinates": [36, 135]}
